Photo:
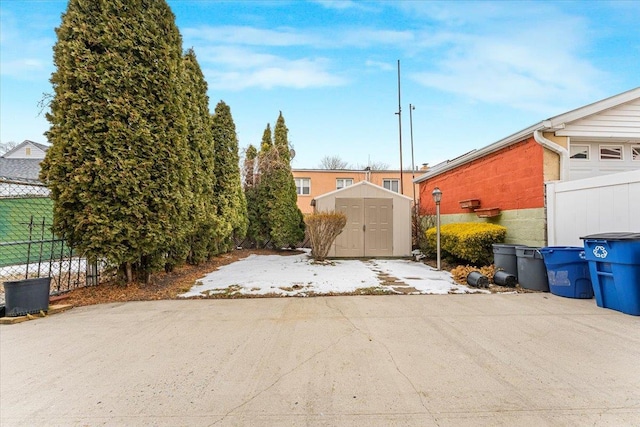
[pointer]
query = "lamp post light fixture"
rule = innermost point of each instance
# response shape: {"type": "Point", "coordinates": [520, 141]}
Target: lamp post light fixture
{"type": "Point", "coordinates": [437, 197]}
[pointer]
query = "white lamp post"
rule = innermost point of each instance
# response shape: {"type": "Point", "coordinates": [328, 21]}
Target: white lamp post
{"type": "Point", "coordinates": [437, 196]}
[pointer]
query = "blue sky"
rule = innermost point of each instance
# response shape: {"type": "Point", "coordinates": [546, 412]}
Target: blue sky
{"type": "Point", "coordinates": [476, 71]}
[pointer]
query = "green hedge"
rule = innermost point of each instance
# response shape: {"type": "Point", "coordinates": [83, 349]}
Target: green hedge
{"type": "Point", "coordinates": [469, 241]}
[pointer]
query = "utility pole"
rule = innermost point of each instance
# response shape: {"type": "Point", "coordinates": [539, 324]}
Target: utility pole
{"type": "Point", "coordinates": [399, 113]}
{"type": "Point", "coordinates": [413, 166]}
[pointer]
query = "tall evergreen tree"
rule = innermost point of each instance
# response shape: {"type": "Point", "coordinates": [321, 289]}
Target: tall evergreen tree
{"type": "Point", "coordinates": [286, 224]}
{"type": "Point", "coordinates": [203, 217]}
{"type": "Point", "coordinates": [231, 203]}
{"type": "Point", "coordinates": [266, 160]}
{"type": "Point", "coordinates": [117, 165]}
{"type": "Point", "coordinates": [267, 140]}
{"type": "Point", "coordinates": [250, 172]}
{"type": "Point", "coordinates": [250, 167]}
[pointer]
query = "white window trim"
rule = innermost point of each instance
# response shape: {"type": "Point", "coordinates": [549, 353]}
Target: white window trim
{"type": "Point", "coordinates": [587, 146]}
{"type": "Point", "coordinates": [391, 181]}
{"type": "Point", "coordinates": [610, 146]}
{"type": "Point", "coordinates": [344, 184]}
{"type": "Point", "coordinates": [302, 186]}
{"type": "Point", "coordinates": [636, 147]}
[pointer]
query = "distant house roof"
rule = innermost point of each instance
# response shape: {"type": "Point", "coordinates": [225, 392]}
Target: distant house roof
{"type": "Point", "coordinates": [28, 169]}
{"type": "Point", "coordinates": [554, 124]}
{"type": "Point", "coordinates": [376, 171]}
{"type": "Point", "coordinates": [15, 150]}
{"type": "Point", "coordinates": [43, 147]}
{"type": "Point", "coordinates": [16, 167]}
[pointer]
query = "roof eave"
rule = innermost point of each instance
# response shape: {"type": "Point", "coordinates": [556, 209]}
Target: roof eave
{"type": "Point", "coordinates": [496, 146]}
{"type": "Point", "coordinates": [359, 183]}
{"type": "Point", "coordinates": [559, 121]}
{"type": "Point", "coordinates": [554, 123]}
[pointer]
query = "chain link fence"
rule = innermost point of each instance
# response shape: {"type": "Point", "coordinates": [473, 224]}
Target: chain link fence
{"type": "Point", "coordinates": [29, 249]}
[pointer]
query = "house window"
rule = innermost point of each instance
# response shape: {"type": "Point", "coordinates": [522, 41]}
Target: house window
{"type": "Point", "coordinates": [611, 152]}
{"type": "Point", "coordinates": [343, 182]}
{"type": "Point", "coordinates": [27, 151]}
{"type": "Point", "coordinates": [635, 153]}
{"type": "Point", "coordinates": [579, 152]}
{"type": "Point", "coordinates": [391, 184]}
{"type": "Point", "coordinates": [303, 186]}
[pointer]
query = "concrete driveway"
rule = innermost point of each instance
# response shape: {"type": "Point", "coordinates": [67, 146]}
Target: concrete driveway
{"type": "Point", "coordinates": [435, 360]}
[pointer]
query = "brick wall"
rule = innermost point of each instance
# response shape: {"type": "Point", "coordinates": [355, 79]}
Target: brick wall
{"type": "Point", "coordinates": [509, 179]}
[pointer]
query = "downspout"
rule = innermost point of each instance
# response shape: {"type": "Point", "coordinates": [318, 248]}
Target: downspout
{"type": "Point", "coordinates": [550, 237]}
{"type": "Point", "coordinates": [560, 150]}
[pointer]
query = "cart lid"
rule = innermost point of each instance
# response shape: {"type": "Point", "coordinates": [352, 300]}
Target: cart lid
{"type": "Point", "coordinates": [624, 235]}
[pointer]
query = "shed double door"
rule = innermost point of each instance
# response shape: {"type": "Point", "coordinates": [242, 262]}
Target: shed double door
{"type": "Point", "coordinates": [369, 229]}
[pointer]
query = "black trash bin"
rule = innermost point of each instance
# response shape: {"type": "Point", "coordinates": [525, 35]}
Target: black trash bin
{"type": "Point", "coordinates": [26, 296]}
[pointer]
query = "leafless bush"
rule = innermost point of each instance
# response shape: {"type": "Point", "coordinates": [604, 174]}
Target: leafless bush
{"type": "Point", "coordinates": [420, 225]}
{"type": "Point", "coordinates": [323, 228]}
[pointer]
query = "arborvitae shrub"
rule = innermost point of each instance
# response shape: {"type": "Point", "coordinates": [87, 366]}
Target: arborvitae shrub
{"type": "Point", "coordinates": [118, 167]}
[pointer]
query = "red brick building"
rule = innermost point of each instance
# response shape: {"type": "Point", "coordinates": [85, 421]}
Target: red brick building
{"type": "Point", "coordinates": [504, 182]}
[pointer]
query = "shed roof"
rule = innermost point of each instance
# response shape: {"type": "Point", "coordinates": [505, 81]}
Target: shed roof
{"type": "Point", "coordinates": [355, 186]}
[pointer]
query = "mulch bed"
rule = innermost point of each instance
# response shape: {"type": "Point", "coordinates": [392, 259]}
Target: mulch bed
{"type": "Point", "coordinates": [162, 285]}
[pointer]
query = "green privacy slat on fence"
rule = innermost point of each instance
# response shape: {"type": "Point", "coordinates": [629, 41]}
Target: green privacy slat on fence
{"type": "Point", "coordinates": [28, 249]}
{"type": "Point", "coordinates": [25, 231]}
{"type": "Point", "coordinates": [15, 216]}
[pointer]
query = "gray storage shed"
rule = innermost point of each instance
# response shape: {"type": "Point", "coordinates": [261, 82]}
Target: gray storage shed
{"type": "Point", "coordinates": [378, 221]}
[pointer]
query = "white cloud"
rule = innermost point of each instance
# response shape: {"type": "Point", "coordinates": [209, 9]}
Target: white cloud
{"type": "Point", "coordinates": [244, 35]}
{"type": "Point", "coordinates": [482, 51]}
{"type": "Point", "coordinates": [235, 57]}
{"type": "Point", "coordinates": [465, 14]}
{"type": "Point", "coordinates": [281, 72]}
{"type": "Point", "coordinates": [366, 37]}
{"type": "Point", "coordinates": [344, 5]}
{"type": "Point", "coordinates": [333, 39]}
{"type": "Point", "coordinates": [240, 57]}
{"type": "Point", "coordinates": [530, 68]}
{"type": "Point", "coordinates": [337, 4]}
{"type": "Point", "coordinates": [23, 67]}
{"type": "Point", "coordinates": [382, 66]}
{"type": "Point", "coordinates": [23, 56]}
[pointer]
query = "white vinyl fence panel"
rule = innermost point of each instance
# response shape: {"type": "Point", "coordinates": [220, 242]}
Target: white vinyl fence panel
{"type": "Point", "coordinates": [606, 203]}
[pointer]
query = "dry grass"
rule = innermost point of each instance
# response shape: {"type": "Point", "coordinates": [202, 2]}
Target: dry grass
{"type": "Point", "coordinates": [461, 272]}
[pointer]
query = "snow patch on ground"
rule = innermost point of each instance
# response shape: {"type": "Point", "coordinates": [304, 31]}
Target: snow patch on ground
{"type": "Point", "coordinates": [299, 275]}
{"type": "Point", "coordinates": [423, 278]}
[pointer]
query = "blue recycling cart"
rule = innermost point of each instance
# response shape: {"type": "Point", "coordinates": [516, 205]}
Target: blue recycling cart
{"type": "Point", "coordinates": [567, 271]}
{"type": "Point", "coordinates": [614, 266]}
